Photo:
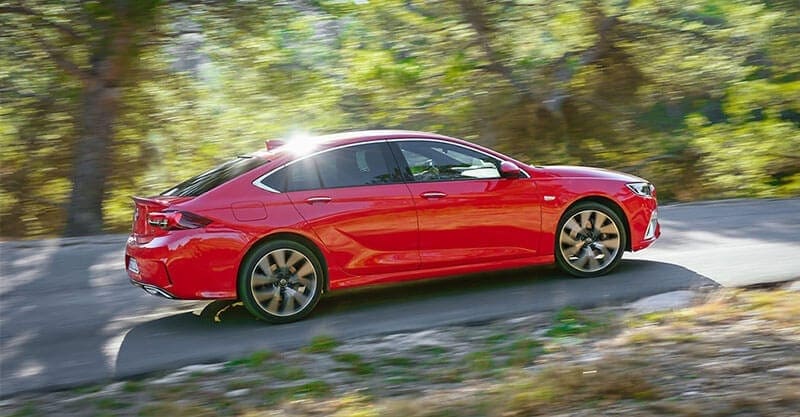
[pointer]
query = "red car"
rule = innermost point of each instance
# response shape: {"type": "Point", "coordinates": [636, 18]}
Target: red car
{"type": "Point", "coordinates": [277, 228]}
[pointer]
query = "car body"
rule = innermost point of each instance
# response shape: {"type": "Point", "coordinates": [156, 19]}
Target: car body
{"type": "Point", "coordinates": [278, 228]}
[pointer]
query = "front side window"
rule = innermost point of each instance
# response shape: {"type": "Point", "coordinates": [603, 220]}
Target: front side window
{"type": "Point", "coordinates": [439, 161]}
{"type": "Point", "coordinates": [352, 166]}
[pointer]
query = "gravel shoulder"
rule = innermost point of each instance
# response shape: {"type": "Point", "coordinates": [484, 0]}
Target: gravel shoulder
{"type": "Point", "coordinates": [729, 353]}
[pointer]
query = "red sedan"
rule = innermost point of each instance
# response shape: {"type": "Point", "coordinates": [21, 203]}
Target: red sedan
{"type": "Point", "coordinates": [277, 228]}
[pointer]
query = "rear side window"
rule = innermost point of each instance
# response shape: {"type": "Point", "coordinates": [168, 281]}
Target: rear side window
{"type": "Point", "coordinates": [214, 177]}
{"type": "Point", "coordinates": [299, 176]}
{"type": "Point", "coordinates": [352, 166]}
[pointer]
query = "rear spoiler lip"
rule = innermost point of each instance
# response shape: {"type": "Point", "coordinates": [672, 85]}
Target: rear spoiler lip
{"type": "Point", "coordinates": [273, 144]}
{"type": "Point", "coordinates": [160, 200]}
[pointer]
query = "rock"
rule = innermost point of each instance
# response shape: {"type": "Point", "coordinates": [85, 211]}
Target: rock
{"type": "Point", "coordinates": [667, 301]}
{"type": "Point", "coordinates": [793, 370]}
{"type": "Point", "coordinates": [237, 393]}
{"type": "Point", "coordinates": [174, 378]}
{"type": "Point", "coordinates": [203, 369]}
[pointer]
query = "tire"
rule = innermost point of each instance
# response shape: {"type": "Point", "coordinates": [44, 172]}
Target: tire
{"type": "Point", "coordinates": [281, 281]}
{"type": "Point", "coordinates": [590, 240]}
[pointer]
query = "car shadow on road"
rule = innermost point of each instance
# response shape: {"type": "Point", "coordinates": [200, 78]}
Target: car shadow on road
{"type": "Point", "coordinates": [224, 330]}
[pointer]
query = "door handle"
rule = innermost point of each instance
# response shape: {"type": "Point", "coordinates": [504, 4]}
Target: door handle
{"type": "Point", "coordinates": [312, 200]}
{"type": "Point", "coordinates": [433, 194]}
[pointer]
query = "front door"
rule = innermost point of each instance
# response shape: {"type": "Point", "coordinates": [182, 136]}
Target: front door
{"type": "Point", "coordinates": [467, 212]}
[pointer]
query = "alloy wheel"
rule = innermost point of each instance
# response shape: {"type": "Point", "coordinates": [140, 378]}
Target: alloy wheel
{"type": "Point", "coordinates": [589, 241]}
{"type": "Point", "coordinates": [284, 282]}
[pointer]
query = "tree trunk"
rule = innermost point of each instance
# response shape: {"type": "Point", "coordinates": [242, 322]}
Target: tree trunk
{"type": "Point", "coordinates": [91, 158]}
{"type": "Point", "coordinates": [112, 61]}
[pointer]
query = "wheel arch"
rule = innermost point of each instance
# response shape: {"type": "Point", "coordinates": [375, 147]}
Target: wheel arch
{"type": "Point", "coordinates": [295, 237]}
{"type": "Point", "coordinates": [611, 204]}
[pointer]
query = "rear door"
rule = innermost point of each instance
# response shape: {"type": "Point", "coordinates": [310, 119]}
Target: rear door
{"type": "Point", "coordinates": [354, 199]}
{"type": "Point", "coordinates": [467, 213]}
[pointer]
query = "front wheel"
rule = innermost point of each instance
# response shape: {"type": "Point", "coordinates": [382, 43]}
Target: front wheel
{"type": "Point", "coordinates": [280, 281]}
{"type": "Point", "coordinates": [590, 240]}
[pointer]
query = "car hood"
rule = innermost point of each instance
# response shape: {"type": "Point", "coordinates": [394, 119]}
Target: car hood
{"type": "Point", "coordinates": [566, 171]}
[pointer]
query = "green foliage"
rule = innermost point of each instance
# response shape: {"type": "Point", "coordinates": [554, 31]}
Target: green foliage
{"type": "Point", "coordinates": [111, 404]}
{"type": "Point", "coordinates": [286, 372]}
{"type": "Point", "coordinates": [355, 363]}
{"type": "Point", "coordinates": [569, 322]}
{"type": "Point", "coordinates": [316, 388]}
{"type": "Point", "coordinates": [321, 344]}
{"type": "Point", "coordinates": [133, 386]}
{"type": "Point", "coordinates": [699, 96]}
{"type": "Point", "coordinates": [255, 360]}
{"type": "Point", "coordinates": [479, 361]}
{"type": "Point", "coordinates": [524, 351]}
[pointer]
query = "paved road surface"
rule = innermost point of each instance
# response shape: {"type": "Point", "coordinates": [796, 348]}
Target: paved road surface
{"type": "Point", "coordinates": [68, 315]}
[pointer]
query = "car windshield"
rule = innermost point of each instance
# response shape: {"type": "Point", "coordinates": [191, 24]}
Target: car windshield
{"type": "Point", "coordinates": [214, 177]}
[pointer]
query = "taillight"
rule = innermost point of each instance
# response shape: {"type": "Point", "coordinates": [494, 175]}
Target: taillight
{"type": "Point", "coordinates": [176, 220]}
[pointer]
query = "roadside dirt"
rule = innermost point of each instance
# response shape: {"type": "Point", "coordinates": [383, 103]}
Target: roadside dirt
{"type": "Point", "coordinates": [731, 353]}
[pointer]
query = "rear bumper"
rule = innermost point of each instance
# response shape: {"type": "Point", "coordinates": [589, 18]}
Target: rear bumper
{"type": "Point", "coordinates": [145, 265]}
{"type": "Point", "coordinates": [187, 265]}
{"type": "Point", "coordinates": [152, 290]}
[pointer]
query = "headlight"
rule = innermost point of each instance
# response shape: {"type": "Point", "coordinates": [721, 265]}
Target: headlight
{"type": "Point", "coordinates": [644, 189]}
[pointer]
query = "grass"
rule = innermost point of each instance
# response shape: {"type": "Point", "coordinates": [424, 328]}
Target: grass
{"type": "Point", "coordinates": [88, 389]}
{"type": "Point", "coordinates": [285, 372]}
{"type": "Point", "coordinates": [133, 386]}
{"type": "Point", "coordinates": [444, 375]}
{"type": "Point", "coordinates": [111, 404]}
{"type": "Point", "coordinates": [479, 361]}
{"type": "Point", "coordinates": [175, 409]}
{"type": "Point", "coordinates": [508, 373]}
{"type": "Point", "coordinates": [313, 389]}
{"type": "Point", "coordinates": [523, 352]}
{"type": "Point", "coordinates": [27, 410]}
{"type": "Point", "coordinates": [431, 350]}
{"type": "Point", "coordinates": [356, 364]}
{"type": "Point", "coordinates": [397, 361]}
{"type": "Point", "coordinates": [569, 322]}
{"type": "Point", "coordinates": [255, 360]}
{"type": "Point", "coordinates": [310, 390]}
{"type": "Point", "coordinates": [321, 344]}
{"type": "Point", "coordinates": [497, 339]}
{"type": "Point", "coordinates": [559, 387]}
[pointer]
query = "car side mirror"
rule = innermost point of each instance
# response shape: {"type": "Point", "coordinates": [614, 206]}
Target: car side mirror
{"type": "Point", "coordinates": [509, 170]}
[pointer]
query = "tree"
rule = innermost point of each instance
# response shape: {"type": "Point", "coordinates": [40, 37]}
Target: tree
{"type": "Point", "coordinates": [100, 100]}
{"type": "Point", "coordinates": [96, 44]}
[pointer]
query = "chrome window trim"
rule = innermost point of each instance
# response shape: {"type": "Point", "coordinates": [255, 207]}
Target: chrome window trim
{"type": "Point", "coordinates": [258, 181]}
{"type": "Point", "coordinates": [259, 184]}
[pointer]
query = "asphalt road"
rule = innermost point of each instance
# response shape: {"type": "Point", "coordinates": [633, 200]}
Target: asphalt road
{"type": "Point", "coordinates": [69, 316]}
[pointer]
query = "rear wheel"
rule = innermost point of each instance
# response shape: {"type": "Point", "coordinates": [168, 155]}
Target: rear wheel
{"type": "Point", "coordinates": [281, 281]}
{"type": "Point", "coordinates": [590, 240]}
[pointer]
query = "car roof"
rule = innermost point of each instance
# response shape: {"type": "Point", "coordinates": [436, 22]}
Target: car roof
{"type": "Point", "coordinates": [320, 142]}
{"type": "Point", "coordinates": [346, 137]}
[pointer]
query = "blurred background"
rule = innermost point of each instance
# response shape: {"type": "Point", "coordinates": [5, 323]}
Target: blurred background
{"type": "Point", "coordinates": [102, 100]}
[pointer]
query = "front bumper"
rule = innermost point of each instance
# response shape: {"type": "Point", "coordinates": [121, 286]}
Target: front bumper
{"type": "Point", "coordinates": [650, 231]}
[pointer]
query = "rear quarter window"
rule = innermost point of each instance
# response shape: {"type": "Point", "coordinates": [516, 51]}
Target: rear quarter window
{"type": "Point", "coordinates": [215, 177]}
